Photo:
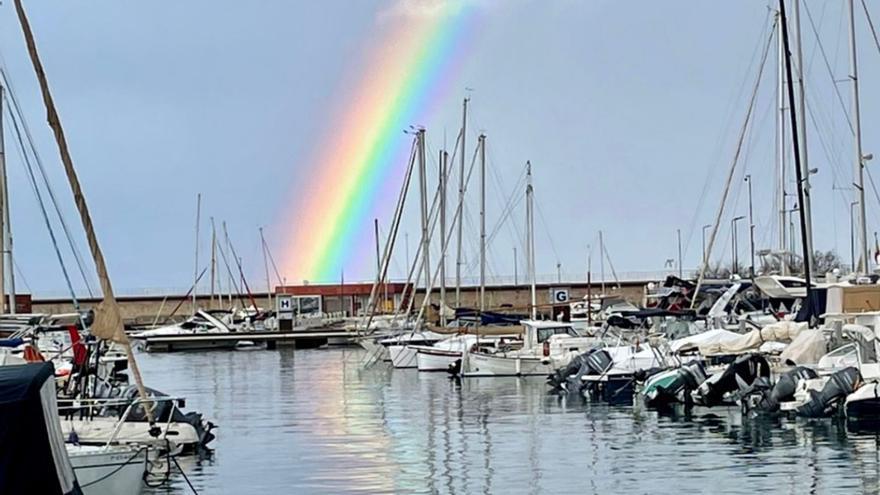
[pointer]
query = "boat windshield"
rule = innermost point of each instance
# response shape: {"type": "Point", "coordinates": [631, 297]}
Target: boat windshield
{"type": "Point", "coordinates": [546, 333]}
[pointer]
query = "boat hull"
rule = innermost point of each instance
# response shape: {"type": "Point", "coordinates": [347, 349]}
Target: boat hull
{"type": "Point", "coordinates": [402, 356]}
{"type": "Point", "coordinates": [99, 431]}
{"type": "Point", "coordinates": [435, 359]}
{"type": "Point", "coordinates": [480, 364]}
{"type": "Point", "coordinates": [182, 344]}
{"type": "Point", "coordinates": [112, 472]}
{"type": "Point", "coordinates": [863, 405]}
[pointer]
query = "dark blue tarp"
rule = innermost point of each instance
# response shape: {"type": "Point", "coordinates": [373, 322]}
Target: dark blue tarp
{"type": "Point", "coordinates": [489, 317]}
{"type": "Point", "coordinates": [26, 461]}
{"type": "Point", "coordinates": [11, 342]}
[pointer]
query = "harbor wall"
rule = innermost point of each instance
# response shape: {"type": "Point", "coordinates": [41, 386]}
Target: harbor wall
{"type": "Point", "coordinates": [143, 310]}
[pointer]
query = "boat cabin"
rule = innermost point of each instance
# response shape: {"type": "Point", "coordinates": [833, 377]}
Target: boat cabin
{"type": "Point", "coordinates": [536, 332]}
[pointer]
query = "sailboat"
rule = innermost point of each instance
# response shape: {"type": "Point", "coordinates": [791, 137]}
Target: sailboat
{"type": "Point", "coordinates": [116, 469]}
{"type": "Point", "coordinates": [545, 345]}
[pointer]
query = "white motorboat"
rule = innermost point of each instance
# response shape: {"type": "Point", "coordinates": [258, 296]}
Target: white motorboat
{"type": "Point", "coordinates": [201, 323]}
{"type": "Point", "coordinates": [109, 470]}
{"type": "Point", "coordinates": [546, 345]}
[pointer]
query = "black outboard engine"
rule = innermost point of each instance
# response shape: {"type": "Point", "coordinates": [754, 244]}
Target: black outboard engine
{"type": "Point", "coordinates": [765, 397]}
{"type": "Point", "coordinates": [740, 375]}
{"type": "Point", "coordinates": [164, 412]}
{"type": "Point", "coordinates": [568, 378]}
{"type": "Point", "coordinates": [557, 380]}
{"type": "Point", "coordinates": [823, 403]}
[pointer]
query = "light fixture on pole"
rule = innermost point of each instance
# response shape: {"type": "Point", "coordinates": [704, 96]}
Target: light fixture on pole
{"type": "Point", "coordinates": [734, 267]}
{"type": "Point", "coordinates": [748, 179]}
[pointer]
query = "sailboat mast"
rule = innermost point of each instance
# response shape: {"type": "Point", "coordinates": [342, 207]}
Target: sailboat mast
{"type": "Point", "coordinates": [444, 157]}
{"type": "Point", "coordinates": [266, 267]}
{"type": "Point", "coordinates": [797, 157]}
{"type": "Point", "coordinates": [859, 164]}
{"type": "Point", "coordinates": [602, 261]}
{"type": "Point", "coordinates": [215, 274]}
{"type": "Point", "coordinates": [802, 109]}
{"type": "Point", "coordinates": [196, 263]}
{"type": "Point", "coordinates": [423, 190]}
{"type": "Point", "coordinates": [213, 264]}
{"type": "Point", "coordinates": [7, 266]}
{"type": "Point", "coordinates": [231, 279]}
{"type": "Point", "coordinates": [780, 147]}
{"type": "Point", "coordinates": [482, 145]}
{"type": "Point", "coordinates": [530, 240]}
{"type": "Point", "coordinates": [460, 201]}
{"type": "Point", "coordinates": [3, 203]}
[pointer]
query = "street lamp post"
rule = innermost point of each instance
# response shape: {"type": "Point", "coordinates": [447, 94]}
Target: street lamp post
{"type": "Point", "coordinates": [734, 268]}
{"type": "Point", "coordinates": [748, 179]}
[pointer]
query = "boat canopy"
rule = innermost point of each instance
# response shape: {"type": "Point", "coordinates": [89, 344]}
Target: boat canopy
{"type": "Point", "coordinates": [33, 458]}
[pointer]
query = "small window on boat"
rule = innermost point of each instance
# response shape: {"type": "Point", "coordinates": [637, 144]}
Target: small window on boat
{"type": "Point", "coordinates": [546, 333]}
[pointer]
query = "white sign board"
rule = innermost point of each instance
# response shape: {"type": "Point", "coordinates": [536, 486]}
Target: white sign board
{"type": "Point", "coordinates": [284, 307]}
{"type": "Point", "coordinates": [558, 296]}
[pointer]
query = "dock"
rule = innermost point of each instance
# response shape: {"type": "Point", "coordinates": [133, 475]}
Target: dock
{"type": "Point", "coordinates": [300, 338]}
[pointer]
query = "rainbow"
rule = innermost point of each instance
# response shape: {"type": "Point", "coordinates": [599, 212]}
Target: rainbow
{"type": "Point", "coordinates": [359, 164]}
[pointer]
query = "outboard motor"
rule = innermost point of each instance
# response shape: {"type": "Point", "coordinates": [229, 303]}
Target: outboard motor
{"type": "Point", "coordinates": [823, 403]}
{"type": "Point", "coordinates": [164, 412]}
{"type": "Point", "coordinates": [559, 377]}
{"type": "Point", "coordinates": [676, 385]}
{"type": "Point", "coordinates": [740, 375]}
{"type": "Point", "coordinates": [568, 378]}
{"type": "Point", "coordinates": [766, 397]}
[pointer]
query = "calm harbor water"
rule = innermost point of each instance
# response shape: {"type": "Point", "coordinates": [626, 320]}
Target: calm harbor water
{"type": "Point", "coordinates": [314, 421]}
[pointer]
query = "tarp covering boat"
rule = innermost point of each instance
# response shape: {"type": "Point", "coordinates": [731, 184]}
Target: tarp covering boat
{"type": "Point", "coordinates": [489, 317]}
{"type": "Point", "coordinates": [33, 458]}
{"type": "Point", "coordinates": [715, 336]}
{"type": "Point", "coordinates": [807, 348]}
{"type": "Point", "coordinates": [783, 331]}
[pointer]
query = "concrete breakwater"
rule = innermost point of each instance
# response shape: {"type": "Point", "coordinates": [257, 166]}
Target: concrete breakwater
{"type": "Point", "coordinates": [350, 298]}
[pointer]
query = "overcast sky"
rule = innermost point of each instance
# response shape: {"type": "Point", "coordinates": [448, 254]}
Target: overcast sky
{"type": "Point", "coordinates": [628, 112]}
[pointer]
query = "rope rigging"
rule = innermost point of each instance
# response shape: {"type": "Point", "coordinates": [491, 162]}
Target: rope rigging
{"type": "Point", "coordinates": [12, 99]}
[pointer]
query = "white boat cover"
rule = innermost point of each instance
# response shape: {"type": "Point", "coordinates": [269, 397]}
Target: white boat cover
{"type": "Point", "coordinates": [807, 348]}
{"type": "Point", "coordinates": [783, 331]}
{"type": "Point", "coordinates": [709, 337]}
